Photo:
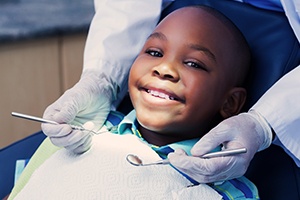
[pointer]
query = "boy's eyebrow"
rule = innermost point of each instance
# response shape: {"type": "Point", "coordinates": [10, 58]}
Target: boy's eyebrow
{"type": "Point", "coordinates": [197, 47]}
{"type": "Point", "coordinates": [204, 49]}
{"type": "Point", "coordinates": [158, 35]}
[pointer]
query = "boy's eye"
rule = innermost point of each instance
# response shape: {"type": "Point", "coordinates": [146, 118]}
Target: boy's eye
{"type": "Point", "coordinates": [154, 53]}
{"type": "Point", "coordinates": [196, 65]}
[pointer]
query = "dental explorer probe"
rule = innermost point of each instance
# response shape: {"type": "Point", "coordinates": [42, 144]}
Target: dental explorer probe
{"type": "Point", "coordinates": [42, 120]}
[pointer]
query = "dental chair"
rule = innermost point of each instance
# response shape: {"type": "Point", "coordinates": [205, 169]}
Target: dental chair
{"type": "Point", "coordinates": [275, 51]}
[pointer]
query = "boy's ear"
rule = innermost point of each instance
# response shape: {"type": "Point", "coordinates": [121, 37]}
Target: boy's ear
{"type": "Point", "coordinates": [234, 102]}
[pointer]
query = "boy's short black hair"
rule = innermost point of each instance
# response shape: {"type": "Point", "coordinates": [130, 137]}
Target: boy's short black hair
{"type": "Point", "coordinates": [242, 48]}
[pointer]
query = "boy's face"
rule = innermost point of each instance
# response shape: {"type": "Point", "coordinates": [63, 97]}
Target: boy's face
{"type": "Point", "coordinates": [179, 81]}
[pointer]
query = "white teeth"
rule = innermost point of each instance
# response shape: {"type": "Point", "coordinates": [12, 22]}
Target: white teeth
{"type": "Point", "coordinates": [160, 94]}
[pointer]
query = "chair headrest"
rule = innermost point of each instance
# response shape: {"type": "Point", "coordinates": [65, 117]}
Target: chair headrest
{"type": "Point", "coordinates": [274, 47]}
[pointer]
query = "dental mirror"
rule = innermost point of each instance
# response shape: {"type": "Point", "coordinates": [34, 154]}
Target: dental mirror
{"type": "Point", "coordinates": [136, 161]}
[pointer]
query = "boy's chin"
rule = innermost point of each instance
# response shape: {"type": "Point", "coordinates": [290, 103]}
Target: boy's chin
{"type": "Point", "coordinates": [155, 120]}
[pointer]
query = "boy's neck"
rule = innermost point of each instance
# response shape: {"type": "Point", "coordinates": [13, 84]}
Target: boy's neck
{"type": "Point", "coordinates": [156, 138]}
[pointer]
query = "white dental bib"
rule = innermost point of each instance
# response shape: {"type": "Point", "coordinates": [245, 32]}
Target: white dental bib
{"type": "Point", "coordinates": [104, 173]}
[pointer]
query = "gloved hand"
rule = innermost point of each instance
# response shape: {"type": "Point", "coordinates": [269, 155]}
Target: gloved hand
{"type": "Point", "coordinates": [248, 130]}
{"type": "Point", "coordinates": [89, 100]}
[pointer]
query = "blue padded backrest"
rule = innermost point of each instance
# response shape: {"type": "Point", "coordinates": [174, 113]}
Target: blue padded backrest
{"type": "Point", "coordinates": [274, 47]}
{"type": "Point", "coordinates": [22, 149]}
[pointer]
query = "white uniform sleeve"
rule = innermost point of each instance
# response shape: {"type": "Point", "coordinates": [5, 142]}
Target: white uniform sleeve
{"type": "Point", "coordinates": [117, 33]}
{"type": "Point", "coordinates": [281, 108]}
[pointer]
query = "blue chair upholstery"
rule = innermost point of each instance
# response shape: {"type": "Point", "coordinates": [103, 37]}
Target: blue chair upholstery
{"type": "Point", "coordinates": [275, 52]}
{"type": "Point", "coordinates": [22, 149]}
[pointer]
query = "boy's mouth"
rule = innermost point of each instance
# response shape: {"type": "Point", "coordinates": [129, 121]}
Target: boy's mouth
{"type": "Point", "coordinates": [162, 95]}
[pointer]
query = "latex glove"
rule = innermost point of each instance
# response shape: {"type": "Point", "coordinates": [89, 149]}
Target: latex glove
{"type": "Point", "coordinates": [248, 130]}
{"type": "Point", "coordinates": [89, 100]}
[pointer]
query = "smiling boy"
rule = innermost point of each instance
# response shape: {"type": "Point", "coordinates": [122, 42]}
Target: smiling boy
{"type": "Point", "coordinates": [187, 77]}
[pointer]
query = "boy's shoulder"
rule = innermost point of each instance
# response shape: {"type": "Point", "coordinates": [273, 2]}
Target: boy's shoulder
{"type": "Point", "coordinates": [114, 118]}
{"type": "Point", "coordinates": [238, 188]}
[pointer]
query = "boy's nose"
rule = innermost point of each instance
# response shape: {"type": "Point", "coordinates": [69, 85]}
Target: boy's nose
{"type": "Point", "coordinates": [166, 71]}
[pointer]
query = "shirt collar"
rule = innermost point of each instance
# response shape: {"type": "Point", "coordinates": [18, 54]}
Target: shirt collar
{"type": "Point", "coordinates": [129, 126]}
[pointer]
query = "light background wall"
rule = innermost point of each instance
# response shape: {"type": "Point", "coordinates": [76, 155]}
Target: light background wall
{"type": "Point", "coordinates": [33, 74]}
